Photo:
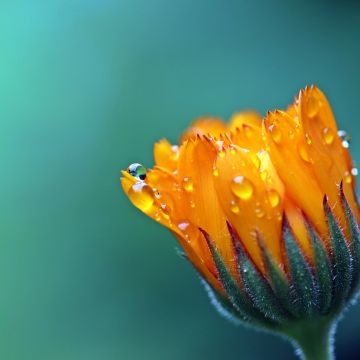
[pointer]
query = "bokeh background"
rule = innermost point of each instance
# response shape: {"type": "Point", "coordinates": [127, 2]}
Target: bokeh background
{"type": "Point", "coordinates": [87, 87]}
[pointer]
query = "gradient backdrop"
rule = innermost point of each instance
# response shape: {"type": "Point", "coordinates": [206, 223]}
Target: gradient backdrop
{"type": "Point", "coordinates": [87, 87]}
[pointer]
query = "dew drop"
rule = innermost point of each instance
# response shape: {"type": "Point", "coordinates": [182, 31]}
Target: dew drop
{"type": "Point", "coordinates": [313, 106]}
{"type": "Point", "coordinates": [222, 152]}
{"type": "Point", "coordinates": [138, 171]}
{"type": "Point", "coordinates": [234, 207]}
{"type": "Point", "coordinates": [263, 175]}
{"type": "Point", "coordinates": [303, 152]}
{"type": "Point", "coordinates": [291, 135]}
{"type": "Point", "coordinates": [259, 212]}
{"type": "Point", "coordinates": [142, 196]}
{"type": "Point", "coordinates": [157, 193]}
{"type": "Point", "coordinates": [242, 187]}
{"type": "Point", "coordinates": [275, 133]}
{"type": "Point", "coordinates": [308, 139]}
{"type": "Point", "coordinates": [347, 177]}
{"type": "Point", "coordinates": [345, 138]}
{"type": "Point", "coordinates": [165, 211]}
{"type": "Point", "coordinates": [215, 171]}
{"type": "Point", "coordinates": [274, 198]}
{"type": "Point", "coordinates": [247, 131]}
{"type": "Point", "coordinates": [188, 184]}
{"type": "Point", "coordinates": [192, 204]}
{"type": "Point", "coordinates": [187, 229]}
{"type": "Point", "coordinates": [256, 161]}
{"type": "Point", "coordinates": [354, 171]}
{"type": "Point", "coordinates": [328, 136]}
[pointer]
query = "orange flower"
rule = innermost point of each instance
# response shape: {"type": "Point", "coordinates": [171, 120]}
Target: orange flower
{"type": "Point", "coordinates": [250, 174]}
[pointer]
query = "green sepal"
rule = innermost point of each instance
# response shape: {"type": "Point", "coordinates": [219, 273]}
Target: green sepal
{"type": "Point", "coordinates": [222, 304]}
{"type": "Point", "coordinates": [276, 276]}
{"type": "Point", "coordinates": [341, 260]}
{"type": "Point", "coordinates": [323, 276]}
{"type": "Point", "coordinates": [303, 292]}
{"type": "Point", "coordinates": [354, 241]}
{"type": "Point", "coordinates": [256, 285]}
{"type": "Point", "coordinates": [237, 296]}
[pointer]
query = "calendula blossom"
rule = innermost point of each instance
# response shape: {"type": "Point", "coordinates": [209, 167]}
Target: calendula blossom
{"type": "Point", "coordinates": [266, 211]}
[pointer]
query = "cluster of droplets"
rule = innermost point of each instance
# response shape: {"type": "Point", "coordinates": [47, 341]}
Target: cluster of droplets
{"type": "Point", "coordinates": [328, 135]}
{"type": "Point", "coordinates": [144, 197]}
{"type": "Point", "coordinates": [244, 190]}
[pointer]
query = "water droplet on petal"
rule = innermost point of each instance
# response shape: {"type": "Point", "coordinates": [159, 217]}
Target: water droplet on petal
{"type": "Point", "coordinates": [232, 150]}
{"type": "Point", "coordinates": [192, 204]}
{"type": "Point", "coordinates": [291, 135]}
{"type": "Point", "coordinates": [308, 139]}
{"type": "Point", "coordinates": [247, 130]}
{"type": "Point", "coordinates": [303, 152]}
{"type": "Point", "coordinates": [274, 198]}
{"type": "Point", "coordinates": [255, 160]}
{"type": "Point", "coordinates": [275, 133]}
{"type": "Point", "coordinates": [165, 211]}
{"type": "Point", "coordinates": [263, 175]}
{"type": "Point", "coordinates": [345, 138]}
{"type": "Point", "coordinates": [354, 171]}
{"type": "Point", "coordinates": [142, 196]}
{"type": "Point", "coordinates": [234, 207]}
{"type": "Point", "coordinates": [259, 212]}
{"type": "Point", "coordinates": [188, 230]}
{"type": "Point", "coordinates": [215, 171]}
{"type": "Point", "coordinates": [188, 184]}
{"type": "Point", "coordinates": [328, 136]}
{"type": "Point", "coordinates": [138, 171]}
{"type": "Point", "coordinates": [313, 106]}
{"type": "Point", "coordinates": [157, 193]}
{"type": "Point", "coordinates": [347, 177]}
{"type": "Point", "coordinates": [242, 187]}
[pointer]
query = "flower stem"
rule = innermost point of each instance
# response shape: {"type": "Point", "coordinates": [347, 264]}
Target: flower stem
{"type": "Point", "coordinates": [313, 339]}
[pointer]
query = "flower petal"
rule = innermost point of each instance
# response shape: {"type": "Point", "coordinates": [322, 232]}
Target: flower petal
{"type": "Point", "coordinates": [332, 162]}
{"type": "Point", "coordinates": [246, 200]}
{"type": "Point", "coordinates": [204, 126]}
{"type": "Point", "coordinates": [288, 150]}
{"type": "Point", "coordinates": [201, 204]}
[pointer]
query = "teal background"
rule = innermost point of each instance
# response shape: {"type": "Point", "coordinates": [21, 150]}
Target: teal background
{"type": "Point", "coordinates": [87, 87]}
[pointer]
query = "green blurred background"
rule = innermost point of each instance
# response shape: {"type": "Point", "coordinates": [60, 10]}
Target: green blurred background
{"type": "Point", "coordinates": [87, 87]}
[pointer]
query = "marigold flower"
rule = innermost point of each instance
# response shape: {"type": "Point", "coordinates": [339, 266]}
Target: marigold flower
{"type": "Point", "coordinates": [266, 211]}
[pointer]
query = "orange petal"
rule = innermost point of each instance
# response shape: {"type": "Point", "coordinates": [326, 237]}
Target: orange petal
{"type": "Point", "coordinates": [196, 162]}
{"type": "Point", "coordinates": [331, 161]}
{"type": "Point", "coordinates": [166, 155]}
{"type": "Point", "coordinates": [288, 150]}
{"type": "Point", "coordinates": [249, 202]}
{"type": "Point", "coordinates": [297, 224]}
{"type": "Point", "coordinates": [204, 126]}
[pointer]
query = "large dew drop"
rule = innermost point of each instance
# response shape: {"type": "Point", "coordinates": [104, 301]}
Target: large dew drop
{"type": "Point", "coordinates": [142, 196]}
{"type": "Point", "coordinates": [138, 171]}
{"type": "Point", "coordinates": [242, 187]}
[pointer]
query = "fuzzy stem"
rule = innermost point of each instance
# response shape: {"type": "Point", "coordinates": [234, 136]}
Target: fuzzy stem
{"type": "Point", "coordinates": [313, 340]}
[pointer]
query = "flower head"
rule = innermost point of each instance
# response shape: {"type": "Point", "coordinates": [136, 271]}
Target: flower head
{"type": "Point", "coordinates": [265, 209]}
